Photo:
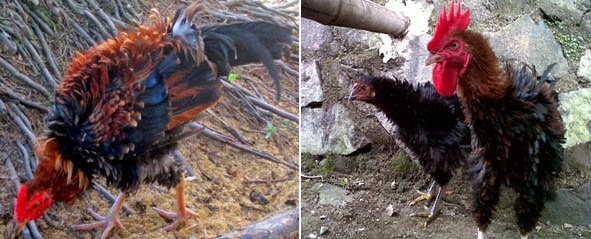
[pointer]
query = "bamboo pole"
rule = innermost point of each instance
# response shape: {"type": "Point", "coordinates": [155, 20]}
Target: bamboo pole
{"type": "Point", "coordinates": [359, 14]}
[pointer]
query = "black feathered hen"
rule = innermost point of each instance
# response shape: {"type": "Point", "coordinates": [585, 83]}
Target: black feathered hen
{"type": "Point", "coordinates": [430, 126]}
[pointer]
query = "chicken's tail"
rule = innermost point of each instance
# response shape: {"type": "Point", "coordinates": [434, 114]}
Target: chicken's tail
{"type": "Point", "coordinates": [244, 43]}
{"type": "Point", "coordinates": [551, 81]}
{"type": "Point", "coordinates": [182, 28]}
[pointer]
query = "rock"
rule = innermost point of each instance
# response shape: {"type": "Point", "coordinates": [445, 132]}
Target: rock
{"type": "Point", "coordinates": [314, 35]}
{"type": "Point", "coordinates": [311, 84]}
{"type": "Point", "coordinates": [390, 210]}
{"type": "Point", "coordinates": [312, 131]}
{"type": "Point", "coordinates": [585, 66]}
{"type": "Point", "coordinates": [418, 13]}
{"type": "Point", "coordinates": [359, 39]}
{"type": "Point", "coordinates": [565, 10]}
{"type": "Point", "coordinates": [414, 69]}
{"type": "Point", "coordinates": [342, 138]}
{"type": "Point", "coordinates": [323, 230]}
{"type": "Point", "coordinates": [576, 109]}
{"type": "Point", "coordinates": [568, 208]}
{"type": "Point", "coordinates": [532, 43]}
{"type": "Point", "coordinates": [586, 26]}
{"type": "Point", "coordinates": [331, 195]}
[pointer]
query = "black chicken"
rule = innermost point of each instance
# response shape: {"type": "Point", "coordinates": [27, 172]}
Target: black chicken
{"type": "Point", "coordinates": [430, 126]}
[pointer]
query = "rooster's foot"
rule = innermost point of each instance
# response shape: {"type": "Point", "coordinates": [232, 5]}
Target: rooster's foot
{"type": "Point", "coordinates": [176, 218]}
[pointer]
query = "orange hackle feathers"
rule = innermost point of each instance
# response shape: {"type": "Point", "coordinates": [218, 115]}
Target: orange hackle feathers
{"type": "Point", "coordinates": [449, 23]}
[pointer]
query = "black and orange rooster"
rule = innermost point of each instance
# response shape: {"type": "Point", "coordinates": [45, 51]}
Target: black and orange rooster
{"type": "Point", "coordinates": [122, 104]}
{"type": "Point", "coordinates": [517, 130]}
{"type": "Point", "coordinates": [430, 126]}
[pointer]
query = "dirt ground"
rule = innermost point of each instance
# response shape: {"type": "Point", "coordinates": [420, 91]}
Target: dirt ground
{"type": "Point", "coordinates": [225, 176]}
{"type": "Point", "coordinates": [370, 180]}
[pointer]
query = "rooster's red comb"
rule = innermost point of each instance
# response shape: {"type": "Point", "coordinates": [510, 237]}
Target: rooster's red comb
{"type": "Point", "coordinates": [448, 23]}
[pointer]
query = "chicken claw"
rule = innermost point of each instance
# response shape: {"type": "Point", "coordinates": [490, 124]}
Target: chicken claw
{"type": "Point", "coordinates": [424, 196]}
{"type": "Point", "coordinates": [177, 218]}
{"type": "Point", "coordinates": [108, 222]}
{"type": "Point", "coordinates": [182, 211]}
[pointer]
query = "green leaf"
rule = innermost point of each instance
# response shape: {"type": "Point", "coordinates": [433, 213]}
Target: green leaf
{"type": "Point", "coordinates": [232, 77]}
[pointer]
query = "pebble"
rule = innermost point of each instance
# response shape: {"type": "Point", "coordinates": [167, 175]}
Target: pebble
{"type": "Point", "coordinates": [323, 230]}
{"type": "Point", "coordinates": [538, 228]}
{"type": "Point", "coordinates": [312, 236]}
{"type": "Point", "coordinates": [323, 217]}
{"type": "Point", "coordinates": [566, 225]}
{"type": "Point", "coordinates": [393, 184]}
{"type": "Point", "coordinates": [390, 210]}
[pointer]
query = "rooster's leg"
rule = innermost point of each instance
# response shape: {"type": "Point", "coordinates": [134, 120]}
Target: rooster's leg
{"type": "Point", "coordinates": [107, 222]}
{"type": "Point", "coordinates": [182, 212]}
{"type": "Point", "coordinates": [424, 196]}
{"type": "Point", "coordinates": [432, 214]}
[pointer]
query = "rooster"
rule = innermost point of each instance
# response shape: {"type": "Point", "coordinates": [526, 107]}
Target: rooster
{"type": "Point", "coordinates": [121, 106]}
{"type": "Point", "coordinates": [430, 126]}
{"type": "Point", "coordinates": [517, 130]}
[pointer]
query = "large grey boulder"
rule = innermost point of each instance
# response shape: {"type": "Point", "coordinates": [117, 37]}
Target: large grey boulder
{"type": "Point", "coordinates": [315, 35]}
{"type": "Point", "coordinates": [530, 42]}
{"type": "Point", "coordinates": [310, 84]}
{"type": "Point", "coordinates": [570, 206]}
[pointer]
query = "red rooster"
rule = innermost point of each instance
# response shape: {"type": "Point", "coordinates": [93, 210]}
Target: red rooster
{"type": "Point", "coordinates": [121, 107]}
{"type": "Point", "coordinates": [517, 130]}
{"type": "Point", "coordinates": [430, 126]}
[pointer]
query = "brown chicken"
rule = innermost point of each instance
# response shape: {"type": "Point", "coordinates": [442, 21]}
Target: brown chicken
{"type": "Point", "coordinates": [517, 131]}
{"type": "Point", "coordinates": [121, 106]}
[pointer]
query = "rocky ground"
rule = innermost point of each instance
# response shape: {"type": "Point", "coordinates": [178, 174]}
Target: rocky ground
{"type": "Point", "coordinates": [364, 173]}
{"type": "Point", "coordinates": [231, 188]}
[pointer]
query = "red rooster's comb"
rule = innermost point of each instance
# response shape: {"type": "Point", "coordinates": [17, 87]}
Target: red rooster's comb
{"type": "Point", "coordinates": [448, 23]}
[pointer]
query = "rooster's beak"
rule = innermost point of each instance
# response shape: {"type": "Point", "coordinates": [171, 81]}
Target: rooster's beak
{"type": "Point", "coordinates": [352, 96]}
{"type": "Point", "coordinates": [19, 227]}
{"type": "Point", "coordinates": [433, 58]}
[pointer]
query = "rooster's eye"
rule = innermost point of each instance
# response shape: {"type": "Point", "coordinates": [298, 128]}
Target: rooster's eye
{"type": "Point", "coordinates": [454, 45]}
{"type": "Point", "coordinates": [35, 205]}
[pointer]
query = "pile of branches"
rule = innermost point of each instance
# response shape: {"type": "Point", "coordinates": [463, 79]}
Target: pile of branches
{"type": "Point", "coordinates": [39, 37]}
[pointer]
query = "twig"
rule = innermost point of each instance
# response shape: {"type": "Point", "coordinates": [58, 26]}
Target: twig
{"type": "Point", "coordinates": [47, 52]}
{"type": "Point", "coordinates": [97, 24]}
{"type": "Point", "coordinates": [20, 114]}
{"type": "Point", "coordinates": [284, 225]}
{"type": "Point", "coordinates": [40, 63]}
{"type": "Point", "coordinates": [8, 92]}
{"type": "Point", "coordinates": [225, 139]}
{"type": "Point", "coordinates": [274, 109]}
{"type": "Point", "coordinates": [312, 176]}
{"type": "Point", "coordinates": [179, 156]}
{"type": "Point", "coordinates": [25, 79]}
{"type": "Point", "coordinates": [83, 33]}
{"type": "Point", "coordinates": [37, 19]}
{"type": "Point", "coordinates": [19, 122]}
{"type": "Point", "coordinates": [25, 158]}
{"type": "Point", "coordinates": [96, 8]}
{"type": "Point", "coordinates": [2, 107]}
{"type": "Point", "coordinates": [110, 196]}
{"type": "Point", "coordinates": [288, 69]}
{"type": "Point", "coordinates": [267, 181]}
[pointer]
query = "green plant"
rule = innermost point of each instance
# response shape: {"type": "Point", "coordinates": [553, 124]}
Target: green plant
{"type": "Point", "coordinates": [345, 182]}
{"type": "Point", "coordinates": [270, 129]}
{"type": "Point", "coordinates": [570, 44]}
{"type": "Point", "coordinates": [232, 77]}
